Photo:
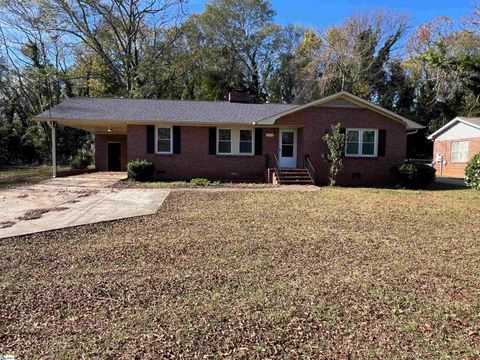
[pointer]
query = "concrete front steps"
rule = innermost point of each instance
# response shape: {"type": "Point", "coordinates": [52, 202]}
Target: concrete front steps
{"type": "Point", "coordinates": [294, 177]}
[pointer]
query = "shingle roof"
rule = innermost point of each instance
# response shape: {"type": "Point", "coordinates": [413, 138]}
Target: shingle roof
{"type": "Point", "coordinates": [118, 110]}
{"type": "Point", "coordinates": [84, 108]}
{"type": "Point", "coordinates": [410, 125]}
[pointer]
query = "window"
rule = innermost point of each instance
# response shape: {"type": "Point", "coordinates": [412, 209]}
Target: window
{"type": "Point", "coordinates": [288, 143]}
{"type": "Point", "coordinates": [246, 142]}
{"type": "Point", "coordinates": [353, 145]}
{"type": "Point", "coordinates": [459, 151]}
{"type": "Point", "coordinates": [361, 142]}
{"type": "Point", "coordinates": [235, 141]}
{"type": "Point", "coordinates": [163, 140]}
{"type": "Point", "coordinates": [368, 143]}
{"type": "Point", "coordinates": [224, 141]}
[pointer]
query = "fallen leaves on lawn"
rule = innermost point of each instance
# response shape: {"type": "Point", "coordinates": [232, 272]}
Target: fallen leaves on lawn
{"type": "Point", "coordinates": [338, 273]}
{"type": "Point", "coordinates": [6, 224]}
{"type": "Point", "coordinates": [37, 213]}
{"type": "Point", "coordinates": [87, 192]}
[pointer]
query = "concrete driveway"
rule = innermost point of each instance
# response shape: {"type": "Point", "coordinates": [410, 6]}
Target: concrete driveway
{"type": "Point", "coordinates": [451, 181]}
{"type": "Point", "coordinates": [72, 201]}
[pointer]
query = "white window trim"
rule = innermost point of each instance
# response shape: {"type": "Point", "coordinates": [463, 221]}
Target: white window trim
{"type": "Point", "coordinates": [156, 139]}
{"type": "Point", "coordinates": [360, 142]}
{"type": "Point", "coordinates": [235, 141]}
{"type": "Point", "coordinates": [458, 152]}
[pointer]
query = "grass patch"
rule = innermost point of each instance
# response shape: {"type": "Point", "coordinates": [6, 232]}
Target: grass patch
{"type": "Point", "coordinates": [13, 177]}
{"type": "Point", "coordinates": [336, 273]}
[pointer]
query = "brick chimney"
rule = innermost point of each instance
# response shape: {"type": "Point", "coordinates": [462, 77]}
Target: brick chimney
{"type": "Point", "coordinates": [239, 97]}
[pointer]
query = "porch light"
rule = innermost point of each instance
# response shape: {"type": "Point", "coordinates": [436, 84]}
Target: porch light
{"type": "Point", "coordinates": [109, 129]}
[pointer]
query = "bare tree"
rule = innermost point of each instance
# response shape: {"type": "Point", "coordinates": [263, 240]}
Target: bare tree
{"type": "Point", "coordinates": [353, 56]}
{"type": "Point", "coordinates": [117, 31]}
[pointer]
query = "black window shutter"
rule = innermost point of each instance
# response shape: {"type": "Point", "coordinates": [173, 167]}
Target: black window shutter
{"type": "Point", "coordinates": [150, 139]}
{"type": "Point", "coordinates": [177, 141]}
{"type": "Point", "coordinates": [382, 142]}
{"type": "Point", "coordinates": [212, 140]}
{"type": "Point", "coordinates": [258, 141]}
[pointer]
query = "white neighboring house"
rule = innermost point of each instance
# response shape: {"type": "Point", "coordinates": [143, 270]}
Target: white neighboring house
{"type": "Point", "coordinates": [455, 144]}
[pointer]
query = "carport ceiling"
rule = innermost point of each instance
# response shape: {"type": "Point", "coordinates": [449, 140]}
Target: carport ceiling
{"type": "Point", "coordinates": [96, 126]}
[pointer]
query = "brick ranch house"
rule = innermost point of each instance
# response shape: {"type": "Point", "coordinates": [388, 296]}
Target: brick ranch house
{"type": "Point", "coordinates": [454, 145]}
{"type": "Point", "coordinates": [239, 141]}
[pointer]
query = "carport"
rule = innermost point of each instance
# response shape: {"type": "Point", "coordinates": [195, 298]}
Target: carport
{"type": "Point", "coordinates": [110, 140]}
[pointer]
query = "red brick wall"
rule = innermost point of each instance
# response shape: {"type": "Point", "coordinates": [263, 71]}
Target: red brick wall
{"type": "Point", "coordinates": [317, 122]}
{"type": "Point", "coordinates": [194, 159]}
{"type": "Point", "coordinates": [453, 169]}
{"type": "Point", "coordinates": [101, 156]}
{"type": "Point", "coordinates": [313, 123]}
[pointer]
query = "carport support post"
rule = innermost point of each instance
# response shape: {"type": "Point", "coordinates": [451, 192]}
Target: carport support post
{"type": "Point", "coordinates": [54, 149]}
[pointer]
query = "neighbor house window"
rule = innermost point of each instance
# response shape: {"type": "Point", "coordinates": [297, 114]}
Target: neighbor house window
{"type": "Point", "coordinates": [246, 142]}
{"type": "Point", "coordinates": [361, 142]}
{"type": "Point", "coordinates": [459, 151]}
{"type": "Point", "coordinates": [164, 140]}
{"type": "Point", "coordinates": [224, 141]}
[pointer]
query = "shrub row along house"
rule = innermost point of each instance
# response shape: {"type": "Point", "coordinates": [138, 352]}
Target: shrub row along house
{"type": "Point", "coordinates": [240, 141]}
{"type": "Point", "coordinates": [455, 144]}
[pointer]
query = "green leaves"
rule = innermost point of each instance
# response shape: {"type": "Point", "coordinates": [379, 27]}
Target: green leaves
{"type": "Point", "coordinates": [336, 149]}
{"type": "Point", "coordinates": [472, 172]}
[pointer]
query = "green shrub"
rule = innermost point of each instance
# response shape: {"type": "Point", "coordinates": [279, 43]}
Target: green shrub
{"type": "Point", "coordinates": [82, 160]}
{"type": "Point", "coordinates": [140, 170]}
{"type": "Point", "coordinates": [413, 176]}
{"type": "Point", "coordinates": [199, 182]}
{"type": "Point", "coordinates": [472, 172]}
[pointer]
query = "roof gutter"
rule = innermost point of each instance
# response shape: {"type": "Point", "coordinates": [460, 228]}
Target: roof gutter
{"type": "Point", "coordinates": [150, 122]}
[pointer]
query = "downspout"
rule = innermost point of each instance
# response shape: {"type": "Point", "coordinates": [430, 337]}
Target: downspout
{"type": "Point", "coordinates": [54, 148]}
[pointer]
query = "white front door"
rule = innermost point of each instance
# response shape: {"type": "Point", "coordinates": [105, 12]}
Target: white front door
{"type": "Point", "coordinates": [288, 149]}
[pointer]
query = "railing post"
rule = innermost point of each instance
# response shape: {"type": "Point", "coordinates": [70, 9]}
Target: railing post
{"type": "Point", "coordinates": [310, 169]}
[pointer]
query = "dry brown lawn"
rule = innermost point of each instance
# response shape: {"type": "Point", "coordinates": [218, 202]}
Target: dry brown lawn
{"type": "Point", "coordinates": [338, 273]}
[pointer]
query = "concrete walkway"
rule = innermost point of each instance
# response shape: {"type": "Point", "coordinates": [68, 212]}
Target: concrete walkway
{"type": "Point", "coordinates": [450, 181]}
{"type": "Point", "coordinates": [72, 201]}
